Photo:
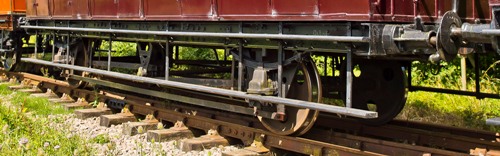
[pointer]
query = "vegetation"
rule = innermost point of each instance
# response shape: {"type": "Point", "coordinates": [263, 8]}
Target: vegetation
{"type": "Point", "coordinates": [101, 139]}
{"type": "Point", "coordinates": [26, 127]}
{"type": "Point", "coordinates": [462, 111]}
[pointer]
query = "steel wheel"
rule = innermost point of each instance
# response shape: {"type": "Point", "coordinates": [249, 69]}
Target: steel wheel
{"type": "Point", "coordinates": [305, 85]}
{"type": "Point", "coordinates": [79, 53]}
{"type": "Point", "coordinates": [380, 87]}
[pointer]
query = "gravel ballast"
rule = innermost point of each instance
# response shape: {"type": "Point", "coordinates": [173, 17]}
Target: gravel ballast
{"type": "Point", "coordinates": [110, 141]}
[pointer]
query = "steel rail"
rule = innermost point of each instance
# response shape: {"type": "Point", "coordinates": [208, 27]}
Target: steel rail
{"type": "Point", "coordinates": [448, 138]}
{"type": "Point", "coordinates": [224, 92]}
{"type": "Point", "coordinates": [358, 39]}
{"type": "Point", "coordinates": [319, 141]}
{"type": "Point", "coordinates": [179, 98]}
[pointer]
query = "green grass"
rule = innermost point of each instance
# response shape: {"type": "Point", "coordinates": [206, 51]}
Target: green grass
{"type": "Point", "coordinates": [454, 110]}
{"type": "Point", "coordinates": [28, 130]}
{"type": "Point", "coordinates": [100, 139]}
{"type": "Point", "coordinates": [38, 106]}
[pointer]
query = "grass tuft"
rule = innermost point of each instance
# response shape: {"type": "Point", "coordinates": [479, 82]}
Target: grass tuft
{"type": "Point", "coordinates": [101, 139]}
{"type": "Point", "coordinates": [28, 127]}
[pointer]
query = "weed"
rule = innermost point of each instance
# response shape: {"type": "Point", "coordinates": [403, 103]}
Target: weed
{"type": "Point", "coordinates": [100, 139]}
{"type": "Point", "coordinates": [455, 110]}
{"type": "Point", "coordinates": [27, 130]}
{"type": "Point", "coordinates": [38, 106]}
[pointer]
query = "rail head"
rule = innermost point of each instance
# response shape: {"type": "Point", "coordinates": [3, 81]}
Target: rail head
{"type": "Point", "coordinates": [224, 92]}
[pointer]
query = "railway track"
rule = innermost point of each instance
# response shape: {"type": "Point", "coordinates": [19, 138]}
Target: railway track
{"type": "Point", "coordinates": [330, 136]}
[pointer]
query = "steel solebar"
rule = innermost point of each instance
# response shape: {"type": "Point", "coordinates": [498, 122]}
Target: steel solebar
{"type": "Point", "coordinates": [267, 99]}
{"type": "Point", "coordinates": [208, 34]}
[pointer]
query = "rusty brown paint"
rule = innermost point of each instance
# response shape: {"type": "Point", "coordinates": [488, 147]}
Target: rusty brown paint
{"type": "Point", "coordinates": [247, 7]}
{"type": "Point", "coordinates": [80, 9]}
{"type": "Point", "coordinates": [70, 9]}
{"type": "Point", "coordinates": [129, 8]}
{"type": "Point", "coordinates": [197, 8]}
{"type": "Point", "coordinates": [158, 9]}
{"type": "Point", "coordinates": [104, 9]}
{"type": "Point", "coordinates": [295, 7]}
{"type": "Point", "coordinates": [261, 10]}
{"type": "Point", "coordinates": [62, 8]}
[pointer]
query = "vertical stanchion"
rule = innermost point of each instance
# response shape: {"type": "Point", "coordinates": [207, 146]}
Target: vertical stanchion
{"type": "Point", "coordinates": [36, 45]}
{"type": "Point", "coordinates": [176, 52]}
{"type": "Point", "coordinates": [109, 51]}
{"type": "Point", "coordinates": [281, 92]}
{"type": "Point", "coordinates": [44, 46]}
{"type": "Point", "coordinates": [91, 52]}
{"type": "Point", "coordinates": [477, 72]}
{"type": "Point", "coordinates": [167, 57]}
{"type": "Point", "coordinates": [53, 46]}
{"type": "Point", "coordinates": [348, 95]}
{"type": "Point", "coordinates": [325, 66]}
{"type": "Point", "coordinates": [348, 87]}
{"type": "Point", "coordinates": [280, 69]}
{"type": "Point", "coordinates": [67, 48]}
{"type": "Point", "coordinates": [240, 66]}
{"type": "Point", "coordinates": [240, 62]}
{"type": "Point", "coordinates": [463, 69]}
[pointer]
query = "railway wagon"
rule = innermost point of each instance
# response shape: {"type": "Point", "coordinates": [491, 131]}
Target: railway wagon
{"type": "Point", "coordinates": [271, 74]}
{"type": "Point", "coordinates": [10, 12]}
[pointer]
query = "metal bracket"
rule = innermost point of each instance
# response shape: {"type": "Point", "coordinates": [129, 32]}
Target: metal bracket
{"type": "Point", "coordinates": [145, 55]}
{"type": "Point", "coordinates": [260, 83]}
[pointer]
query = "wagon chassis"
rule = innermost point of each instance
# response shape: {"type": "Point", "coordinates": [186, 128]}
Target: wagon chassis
{"type": "Point", "coordinates": [271, 69]}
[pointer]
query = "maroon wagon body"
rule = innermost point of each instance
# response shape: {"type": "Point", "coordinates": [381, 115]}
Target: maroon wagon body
{"type": "Point", "coordinates": [256, 10]}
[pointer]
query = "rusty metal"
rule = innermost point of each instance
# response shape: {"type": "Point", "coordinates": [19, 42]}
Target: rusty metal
{"type": "Point", "coordinates": [359, 39]}
{"type": "Point", "coordinates": [420, 134]}
{"type": "Point", "coordinates": [319, 141]}
{"type": "Point", "coordinates": [262, 10]}
{"type": "Point", "coordinates": [304, 86]}
{"type": "Point", "coordinates": [223, 92]}
{"type": "Point", "coordinates": [174, 97]}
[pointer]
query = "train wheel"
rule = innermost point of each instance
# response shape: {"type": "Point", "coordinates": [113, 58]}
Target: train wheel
{"type": "Point", "coordinates": [305, 85]}
{"type": "Point", "coordinates": [79, 53]}
{"type": "Point", "coordinates": [10, 59]}
{"type": "Point", "coordinates": [378, 85]}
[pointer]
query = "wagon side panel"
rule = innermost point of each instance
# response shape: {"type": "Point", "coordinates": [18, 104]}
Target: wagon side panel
{"type": "Point", "coordinates": [62, 8]}
{"type": "Point", "coordinates": [104, 9]}
{"type": "Point", "coordinates": [197, 8]}
{"type": "Point", "coordinates": [131, 9]}
{"type": "Point", "coordinates": [156, 9]}
{"type": "Point", "coordinates": [295, 7]}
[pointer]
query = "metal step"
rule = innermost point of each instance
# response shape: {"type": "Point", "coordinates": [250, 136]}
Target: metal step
{"type": "Point", "coordinates": [493, 121]}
